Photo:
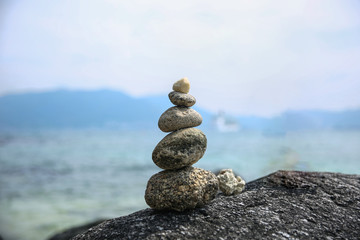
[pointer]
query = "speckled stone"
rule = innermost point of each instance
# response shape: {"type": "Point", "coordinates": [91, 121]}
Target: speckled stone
{"type": "Point", "coordinates": [182, 189]}
{"type": "Point", "coordinates": [180, 149]}
{"type": "Point", "coordinates": [183, 85]}
{"type": "Point", "coordinates": [182, 99]}
{"type": "Point", "coordinates": [229, 184]}
{"type": "Point", "coordinates": [176, 118]}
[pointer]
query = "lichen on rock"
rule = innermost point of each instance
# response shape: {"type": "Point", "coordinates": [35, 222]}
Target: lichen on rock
{"type": "Point", "coordinates": [229, 184]}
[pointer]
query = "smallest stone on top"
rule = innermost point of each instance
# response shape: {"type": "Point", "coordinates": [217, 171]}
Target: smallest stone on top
{"type": "Point", "coordinates": [180, 96]}
{"type": "Point", "coordinates": [183, 85]}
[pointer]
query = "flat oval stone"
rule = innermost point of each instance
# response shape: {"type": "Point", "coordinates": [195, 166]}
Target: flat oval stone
{"type": "Point", "coordinates": [182, 99]}
{"type": "Point", "coordinates": [182, 189]}
{"type": "Point", "coordinates": [176, 118]}
{"type": "Point", "coordinates": [180, 149]}
{"type": "Point", "coordinates": [183, 85]}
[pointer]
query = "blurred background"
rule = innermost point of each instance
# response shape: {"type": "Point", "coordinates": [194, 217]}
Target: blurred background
{"type": "Point", "coordinates": [83, 83]}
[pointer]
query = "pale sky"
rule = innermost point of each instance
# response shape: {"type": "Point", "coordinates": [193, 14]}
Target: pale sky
{"type": "Point", "coordinates": [243, 57]}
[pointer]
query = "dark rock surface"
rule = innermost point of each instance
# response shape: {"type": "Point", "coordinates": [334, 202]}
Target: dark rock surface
{"type": "Point", "coordinates": [283, 205]}
{"type": "Point", "coordinates": [72, 232]}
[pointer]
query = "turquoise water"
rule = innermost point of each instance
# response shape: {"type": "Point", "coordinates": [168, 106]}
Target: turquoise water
{"type": "Point", "coordinates": [50, 180]}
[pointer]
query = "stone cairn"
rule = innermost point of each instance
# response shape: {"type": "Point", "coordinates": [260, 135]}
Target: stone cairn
{"type": "Point", "coordinates": [180, 186]}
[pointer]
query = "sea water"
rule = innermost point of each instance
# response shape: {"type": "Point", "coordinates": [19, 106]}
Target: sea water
{"type": "Point", "coordinates": [54, 179]}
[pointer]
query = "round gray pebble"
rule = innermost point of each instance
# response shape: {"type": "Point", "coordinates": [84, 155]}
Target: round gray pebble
{"type": "Point", "coordinates": [180, 149]}
{"type": "Point", "coordinates": [176, 118]}
{"type": "Point", "coordinates": [181, 189]}
{"type": "Point", "coordinates": [182, 99]}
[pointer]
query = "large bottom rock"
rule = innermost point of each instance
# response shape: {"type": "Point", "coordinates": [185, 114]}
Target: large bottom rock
{"type": "Point", "coordinates": [181, 189]}
{"type": "Point", "coordinates": [283, 205]}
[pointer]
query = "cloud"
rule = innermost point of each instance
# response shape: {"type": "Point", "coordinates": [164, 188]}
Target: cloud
{"type": "Point", "coordinates": [256, 57]}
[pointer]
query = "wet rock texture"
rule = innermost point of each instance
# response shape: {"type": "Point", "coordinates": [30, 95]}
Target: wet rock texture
{"type": "Point", "coordinates": [180, 149]}
{"type": "Point", "coordinates": [176, 118]}
{"type": "Point", "coordinates": [283, 205]}
{"type": "Point", "coordinates": [183, 189]}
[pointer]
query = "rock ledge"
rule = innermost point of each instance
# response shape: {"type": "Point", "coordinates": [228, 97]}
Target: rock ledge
{"type": "Point", "coordinates": [282, 205]}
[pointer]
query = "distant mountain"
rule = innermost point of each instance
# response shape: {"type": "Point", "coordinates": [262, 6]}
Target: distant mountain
{"type": "Point", "coordinates": [106, 108]}
{"type": "Point", "coordinates": [73, 109]}
{"type": "Point", "coordinates": [304, 120]}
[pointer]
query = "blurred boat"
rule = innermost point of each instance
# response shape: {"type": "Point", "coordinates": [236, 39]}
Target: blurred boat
{"type": "Point", "coordinates": [224, 123]}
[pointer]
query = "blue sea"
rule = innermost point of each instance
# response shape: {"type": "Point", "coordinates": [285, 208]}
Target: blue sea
{"type": "Point", "coordinates": [54, 179]}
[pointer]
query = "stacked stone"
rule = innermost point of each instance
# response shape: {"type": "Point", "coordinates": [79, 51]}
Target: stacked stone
{"type": "Point", "coordinates": [180, 186]}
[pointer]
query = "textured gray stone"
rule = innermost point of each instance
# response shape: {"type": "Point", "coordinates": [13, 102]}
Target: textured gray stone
{"type": "Point", "coordinates": [182, 99]}
{"type": "Point", "coordinates": [181, 189]}
{"type": "Point", "coordinates": [180, 149]}
{"type": "Point", "coordinates": [176, 118]}
{"type": "Point", "coordinates": [283, 205]}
